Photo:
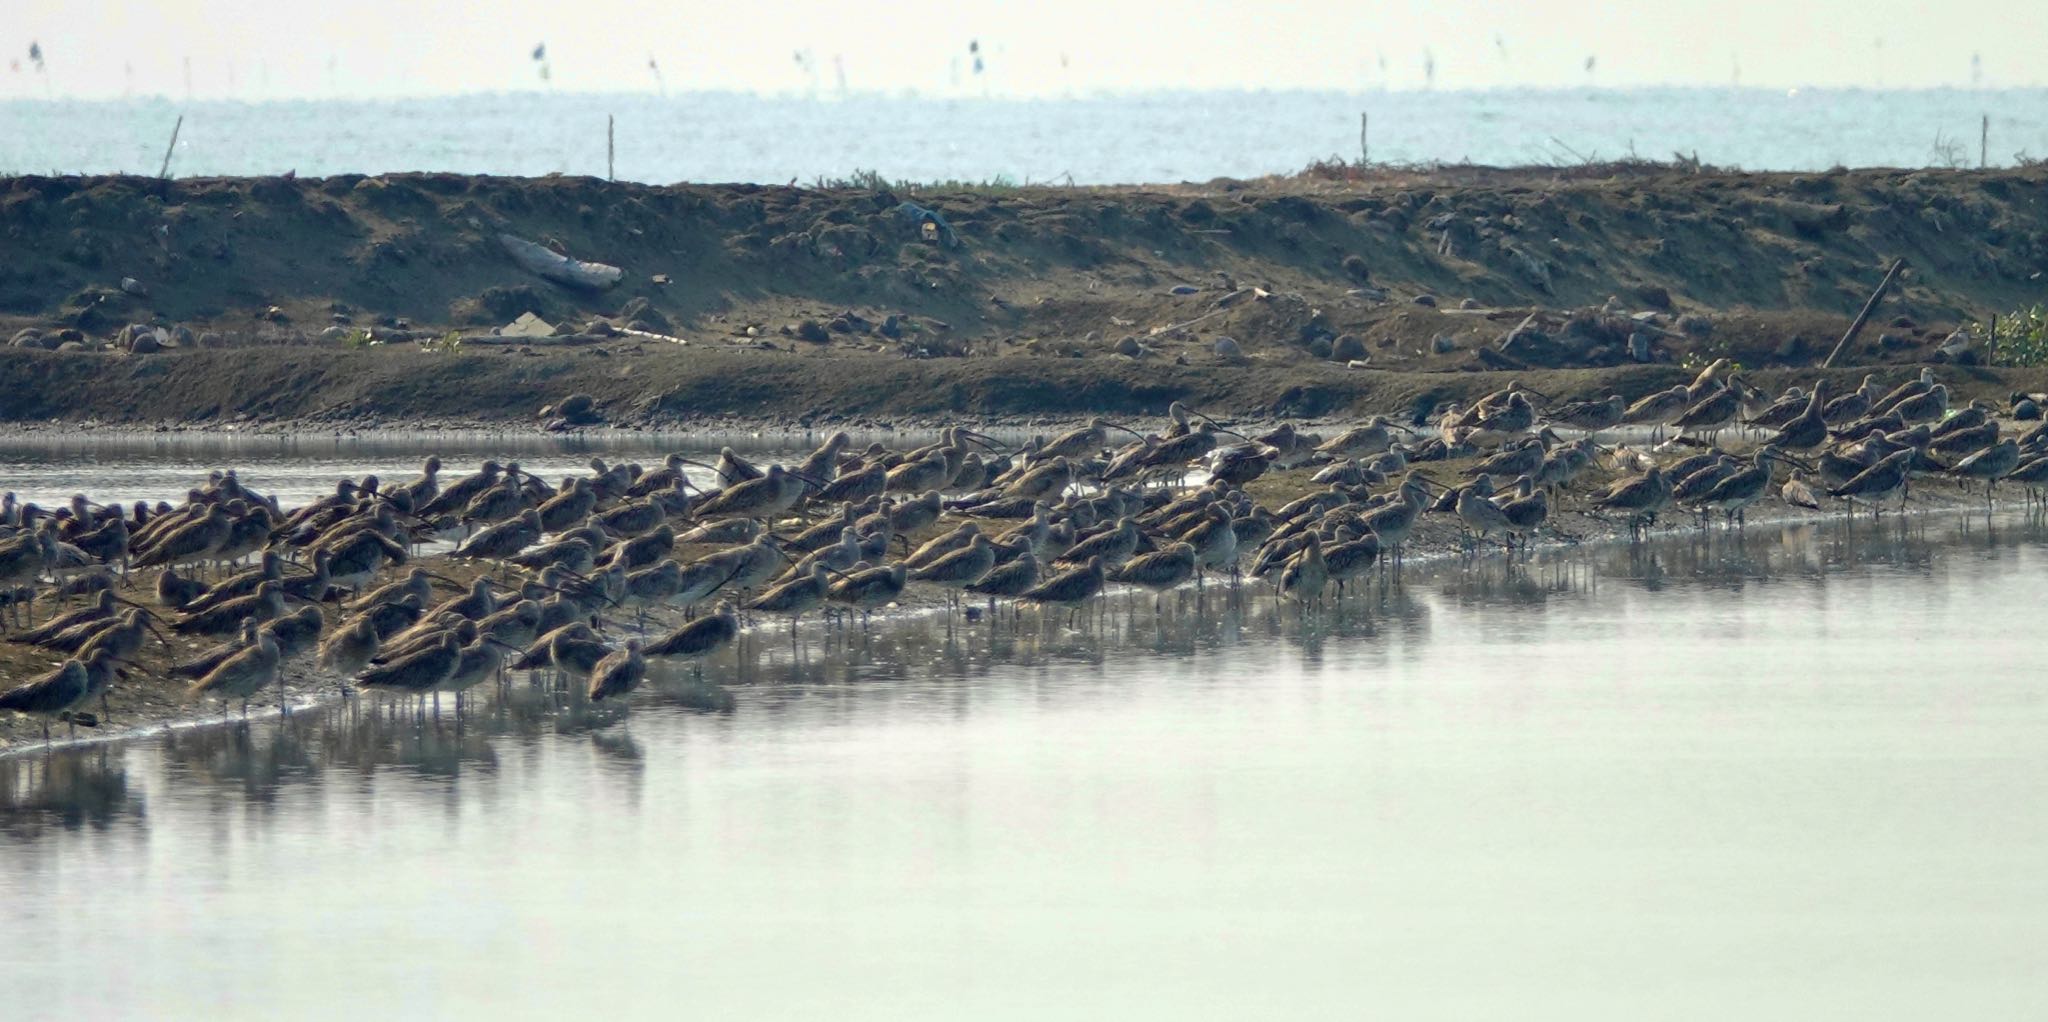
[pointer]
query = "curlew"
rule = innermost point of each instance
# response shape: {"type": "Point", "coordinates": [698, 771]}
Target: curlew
{"type": "Point", "coordinates": [618, 673]}
{"type": "Point", "coordinates": [1160, 570]}
{"type": "Point", "coordinates": [243, 674]}
{"type": "Point", "coordinates": [52, 697]}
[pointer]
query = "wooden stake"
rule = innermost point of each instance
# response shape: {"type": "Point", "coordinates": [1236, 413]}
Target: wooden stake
{"type": "Point", "coordinates": [1864, 316]}
{"type": "Point", "coordinates": [609, 150]}
{"type": "Point", "coordinates": [165, 170]}
{"type": "Point", "coordinates": [1364, 150]}
{"type": "Point", "coordinates": [1984, 143]}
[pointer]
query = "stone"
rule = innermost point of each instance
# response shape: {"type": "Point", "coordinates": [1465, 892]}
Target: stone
{"type": "Point", "coordinates": [811, 330]}
{"type": "Point", "coordinates": [1129, 347]}
{"type": "Point", "coordinates": [1356, 269]}
{"type": "Point", "coordinates": [1347, 347]}
{"type": "Point", "coordinates": [1443, 344]}
{"type": "Point", "coordinates": [134, 287]}
{"type": "Point", "coordinates": [642, 309]}
{"type": "Point", "coordinates": [1426, 301]}
{"type": "Point", "coordinates": [1227, 347]}
{"type": "Point", "coordinates": [2026, 410]}
{"type": "Point", "coordinates": [1469, 303]}
{"type": "Point", "coordinates": [527, 325]}
{"type": "Point", "coordinates": [1319, 347]}
{"type": "Point", "coordinates": [1183, 289]}
{"type": "Point", "coordinates": [1695, 326]}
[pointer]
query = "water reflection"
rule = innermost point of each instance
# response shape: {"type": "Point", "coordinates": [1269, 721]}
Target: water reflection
{"type": "Point", "coordinates": [772, 670]}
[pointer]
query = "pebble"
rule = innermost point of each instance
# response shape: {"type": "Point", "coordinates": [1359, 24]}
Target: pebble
{"type": "Point", "coordinates": [1183, 289]}
{"type": "Point", "coordinates": [1227, 347]}
{"type": "Point", "coordinates": [1426, 301]}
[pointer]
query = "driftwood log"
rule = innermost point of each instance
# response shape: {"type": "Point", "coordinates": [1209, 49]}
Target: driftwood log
{"type": "Point", "coordinates": [561, 269]}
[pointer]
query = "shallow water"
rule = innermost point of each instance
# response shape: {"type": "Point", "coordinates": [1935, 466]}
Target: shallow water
{"type": "Point", "coordinates": [1143, 137]}
{"type": "Point", "coordinates": [1793, 775]}
{"type": "Point", "coordinates": [298, 468]}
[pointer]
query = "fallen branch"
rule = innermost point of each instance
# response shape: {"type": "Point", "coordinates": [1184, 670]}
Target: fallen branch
{"type": "Point", "coordinates": [561, 269]}
{"type": "Point", "coordinates": [1869, 307]}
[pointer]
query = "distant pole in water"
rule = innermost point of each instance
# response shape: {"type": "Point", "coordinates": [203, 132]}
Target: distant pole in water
{"type": "Point", "coordinates": [659, 85]}
{"type": "Point", "coordinates": [540, 57]}
{"type": "Point", "coordinates": [1364, 150]}
{"type": "Point", "coordinates": [1984, 143]}
{"type": "Point", "coordinates": [610, 151]}
{"type": "Point", "coordinates": [164, 171]}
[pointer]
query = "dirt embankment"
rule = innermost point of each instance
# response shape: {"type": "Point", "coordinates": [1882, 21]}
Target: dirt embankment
{"type": "Point", "coordinates": [1029, 301]}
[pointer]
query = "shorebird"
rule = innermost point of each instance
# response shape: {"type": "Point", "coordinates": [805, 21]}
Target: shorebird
{"type": "Point", "coordinates": [1304, 577]}
{"type": "Point", "coordinates": [1112, 547]}
{"type": "Point", "coordinates": [1733, 495]}
{"type": "Point", "coordinates": [1360, 441]}
{"type": "Point", "coordinates": [295, 633]}
{"type": "Point", "coordinates": [1481, 517]}
{"type": "Point", "coordinates": [349, 649]}
{"type": "Point", "coordinates": [269, 569]}
{"type": "Point", "coordinates": [1641, 497]}
{"type": "Point", "coordinates": [698, 639]}
{"type": "Point", "coordinates": [960, 568]}
{"type": "Point", "coordinates": [265, 604]}
{"type": "Point", "coordinates": [770, 495]}
{"type": "Point", "coordinates": [101, 609]}
{"type": "Point", "coordinates": [420, 672]}
{"type": "Point", "coordinates": [176, 591]}
{"type": "Point", "coordinates": [1904, 392]}
{"type": "Point", "coordinates": [1990, 464]}
{"type": "Point", "coordinates": [459, 493]}
{"type": "Point", "coordinates": [1798, 492]}
{"type": "Point", "coordinates": [1069, 588]}
{"type": "Point", "coordinates": [192, 543]}
{"type": "Point", "coordinates": [1711, 413]}
{"type": "Point", "coordinates": [619, 673]}
{"type": "Point", "coordinates": [1590, 417]}
{"type": "Point", "coordinates": [1657, 410]}
{"type": "Point", "coordinates": [1526, 512]}
{"type": "Point", "coordinates": [243, 674]}
{"type": "Point", "coordinates": [869, 588]}
{"type": "Point", "coordinates": [1877, 484]}
{"type": "Point", "coordinates": [797, 595]}
{"type": "Point", "coordinates": [52, 696]}
{"type": "Point", "coordinates": [1160, 570]}
{"type": "Point", "coordinates": [1808, 429]}
{"type": "Point", "coordinates": [1012, 578]}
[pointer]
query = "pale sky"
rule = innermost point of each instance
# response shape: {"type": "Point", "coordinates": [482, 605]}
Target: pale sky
{"type": "Point", "coordinates": [262, 49]}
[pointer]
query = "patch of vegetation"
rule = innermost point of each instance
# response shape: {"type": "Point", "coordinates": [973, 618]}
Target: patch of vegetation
{"type": "Point", "coordinates": [446, 344]}
{"type": "Point", "coordinates": [359, 339]}
{"type": "Point", "coordinates": [2018, 340]}
{"type": "Point", "coordinates": [873, 181]}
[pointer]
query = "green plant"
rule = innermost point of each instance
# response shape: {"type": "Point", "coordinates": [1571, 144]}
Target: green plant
{"type": "Point", "coordinates": [358, 339]}
{"type": "Point", "coordinates": [2018, 340]}
{"type": "Point", "coordinates": [446, 344]}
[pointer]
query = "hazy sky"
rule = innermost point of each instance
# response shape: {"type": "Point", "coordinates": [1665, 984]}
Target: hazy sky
{"type": "Point", "coordinates": [256, 49]}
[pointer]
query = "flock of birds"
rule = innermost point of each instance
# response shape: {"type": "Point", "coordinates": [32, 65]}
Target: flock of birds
{"type": "Point", "coordinates": [556, 570]}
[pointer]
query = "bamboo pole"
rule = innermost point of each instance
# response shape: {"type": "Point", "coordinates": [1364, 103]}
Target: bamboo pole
{"type": "Point", "coordinates": [610, 151]}
{"type": "Point", "coordinates": [1869, 307]}
{"type": "Point", "coordinates": [165, 170]}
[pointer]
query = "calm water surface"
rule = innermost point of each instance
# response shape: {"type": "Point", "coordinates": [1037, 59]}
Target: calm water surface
{"type": "Point", "coordinates": [1795, 776]}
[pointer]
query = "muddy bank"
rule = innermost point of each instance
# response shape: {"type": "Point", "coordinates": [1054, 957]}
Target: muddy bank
{"type": "Point", "coordinates": [382, 298]}
{"type": "Point", "coordinates": [676, 388]}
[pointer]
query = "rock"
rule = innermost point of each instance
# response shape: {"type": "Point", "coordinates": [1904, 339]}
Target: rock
{"type": "Point", "coordinates": [71, 346]}
{"type": "Point", "coordinates": [810, 330]}
{"type": "Point", "coordinates": [527, 325]}
{"type": "Point", "coordinates": [134, 287]}
{"type": "Point", "coordinates": [1426, 301]}
{"type": "Point", "coordinates": [1129, 347]}
{"type": "Point", "coordinates": [1893, 342]}
{"type": "Point", "coordinates": [1227, 348]}
{"type": "Point", "coordinates": [1653, 296]}
{"type": "Point", "coordinates": [1443, 344]}
{"type": "Point", "coordinates": [211, 340]}
{"type": "Point", "coordinates": [600, 327]}
{"type": "Point", "coordinates": [574, 410]}
{"type": "Point", "coordinates": [1183, 289]}
{"type": "Point", "coordinates": [1347, 347]}
{"type": "Point", "coordinates": [1695, 326]}
{"type": "Point", "coordinates": [1639, 347]}
{"type": "Point", "coordinates": [145, 344]}
{"type": "Point", "coordinates": [1469, 303]}
{"type": "Point", "coordinates": [181, 336]}
{"type": "Point", "coordinates": [1355, 268]}
{"type": "Point", "coordinates": [840, 325]}
{"type": "Point", "coordinates": [1955, 345]}
{"type": "Point", "coordinates": [2025, 410]}
{"type": "Point", "coordinates": [891, 328]}
{"type": "Point", "coordinates": [27, 338]}
{"type": "Point", "coordinates": [642, 309]}
{"type": "Point", "coordinates": [1319, 347]}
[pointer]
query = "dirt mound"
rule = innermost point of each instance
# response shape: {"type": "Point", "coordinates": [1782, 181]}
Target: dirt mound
{"type": "Point", "coordinates": [1396, 270]}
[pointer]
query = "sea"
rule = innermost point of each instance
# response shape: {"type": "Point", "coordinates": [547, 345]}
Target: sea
{"type": "Point", "coordinates": [1154, 137]}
